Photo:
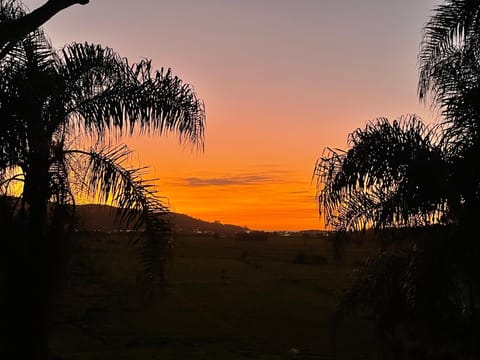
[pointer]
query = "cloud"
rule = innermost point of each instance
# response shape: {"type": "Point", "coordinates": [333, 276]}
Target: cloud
{"type": "Point", "coordinates": [227, 181]}
{"type": "Point", "coordinates": [300, 192]}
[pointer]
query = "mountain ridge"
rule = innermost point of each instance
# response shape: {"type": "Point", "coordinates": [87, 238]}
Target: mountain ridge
{"type": "Point", "coordinates": [95, 217]}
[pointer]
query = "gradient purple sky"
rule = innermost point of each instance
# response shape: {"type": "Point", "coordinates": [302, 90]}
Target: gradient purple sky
{"type": "Point", "coordinates": [280, 79]}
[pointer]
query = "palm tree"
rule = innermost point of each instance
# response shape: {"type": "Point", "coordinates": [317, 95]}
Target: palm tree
{"type": "Point", "coordinates": [450, 78]}
{"type": "Point", "coordinates": [408, 176]}
{"type": "Point", "coordinates": [394, 174]}
{"type": "Point", "coordinates": [14, 28]}
{"type": "Point", "coordinates": [48, 99]}
{"type": "Point", "coordinates": [421, 286]}
{"type": "Point", "coordinates": [453, 27]}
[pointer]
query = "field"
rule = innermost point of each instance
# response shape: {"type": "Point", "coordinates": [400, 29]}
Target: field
{"type": "Point", "coordinates": [225, 298]}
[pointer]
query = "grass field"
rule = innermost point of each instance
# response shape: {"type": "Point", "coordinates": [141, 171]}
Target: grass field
{"type": "Point", "coordinates": [224, 299]}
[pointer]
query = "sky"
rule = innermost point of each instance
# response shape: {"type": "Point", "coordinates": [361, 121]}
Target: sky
{"type": "Point", "coordinates": [281, 81]}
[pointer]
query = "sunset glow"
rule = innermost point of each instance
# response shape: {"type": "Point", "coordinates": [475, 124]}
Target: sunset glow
{"type": "Point", "coordinates": [280, 80]}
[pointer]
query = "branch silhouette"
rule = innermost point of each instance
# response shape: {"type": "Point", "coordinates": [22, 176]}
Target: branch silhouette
{"type": "Point", "coordinates": [14, 30]}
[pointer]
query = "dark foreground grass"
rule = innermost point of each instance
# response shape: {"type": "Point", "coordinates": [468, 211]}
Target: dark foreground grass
{"type": "Point", "coordinates": [224, 299]}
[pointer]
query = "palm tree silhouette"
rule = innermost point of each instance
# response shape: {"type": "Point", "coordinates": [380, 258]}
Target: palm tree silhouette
{"type": "Point", "coordinates": [422, 285]}
{"type": "Point", "coordinates": [48, 100]}
{"type": "Point", "coordinates": [426, 181]}
{"type": "Point", "coordinates": [381, 180]}
{"type": "Point", "coordinates": [450, 79]}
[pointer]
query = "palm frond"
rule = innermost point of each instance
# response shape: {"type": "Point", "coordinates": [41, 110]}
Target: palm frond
{"type": "Point", "coordinates": [455, 88]}
{"type": "Point", "coordinates": [449, 62]}
{"type": "Point", "coordinates": [28, 78]}
{"type": "Point", "coordinates": [110, 182]}
{"type": "Point", "coordinates": [454, 24]}
{"type": "Point", "coordinates": [109, 93]}
{"type": "Point", "coordinates": [384, 179]}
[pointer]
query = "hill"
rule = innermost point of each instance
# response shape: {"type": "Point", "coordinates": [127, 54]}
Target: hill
{"type": "Point", "coordinates": [102, 217]}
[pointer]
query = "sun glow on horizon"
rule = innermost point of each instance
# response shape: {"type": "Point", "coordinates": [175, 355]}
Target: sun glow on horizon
{"type": "Point", "coordinates": [254, 201]}
{"type": "Point", "coordinates": [280, 80]}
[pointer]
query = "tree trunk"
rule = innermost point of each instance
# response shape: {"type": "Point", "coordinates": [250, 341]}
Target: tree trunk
{"type": "Point", "coordinates": [28, 297]}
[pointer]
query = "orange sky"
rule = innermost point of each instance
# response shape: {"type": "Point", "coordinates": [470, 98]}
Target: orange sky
{"type": "Point", "coordinates": [280, 79]}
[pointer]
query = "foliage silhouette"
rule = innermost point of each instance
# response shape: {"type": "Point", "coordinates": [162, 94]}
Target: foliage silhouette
{"type": "Point", "coordinates": [450, 79]}
{"type": "Point", "coordinates": [420, 185]}
{"type": "Point", "coordinates": [380, 181]}
{"type": "Point", "coordinates": [423, 285]}
{"type": "Point", "coordinates": [15, 24]}
{"type": "Point", "coordinates": [53, 104]}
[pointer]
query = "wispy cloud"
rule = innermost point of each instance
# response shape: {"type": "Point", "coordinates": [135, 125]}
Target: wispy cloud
{"type": "Point", "coordinates": [227, 180]}
{"type": "Point", "coordinates": [300, 192]}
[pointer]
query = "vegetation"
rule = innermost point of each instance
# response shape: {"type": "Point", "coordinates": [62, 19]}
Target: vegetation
{"type": "Point", "coordinates": [225, 299]}
{"type": "Point", "coordinates": [413, 187]}
{"type": "Point", "coordinates": [59, 110]}
{"type": "Point", "coordinates": [15, 24]}
{"type": "Point", "coordinates": [419, 185]}
{"type": "Point", "coordinates": [381, 181]}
